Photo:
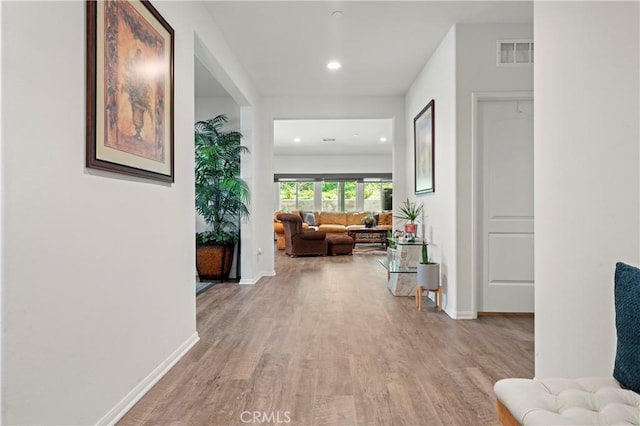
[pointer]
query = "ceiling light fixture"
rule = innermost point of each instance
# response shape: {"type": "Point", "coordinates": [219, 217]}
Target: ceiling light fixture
{"type": "Point", "coordinates": [297, 140]}
{"type": "Point", "coordinates": [334, 65]}
{"type": "Point", "coordinates": [383, 139]}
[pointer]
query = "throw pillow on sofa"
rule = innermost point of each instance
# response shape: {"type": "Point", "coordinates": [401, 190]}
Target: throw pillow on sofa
{"type": "Point", "coordinates": [627, 301]}
{"type": "Point", "coordinates": [309, 218]}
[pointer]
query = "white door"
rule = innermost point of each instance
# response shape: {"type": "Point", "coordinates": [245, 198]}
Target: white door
{"type": "Point", "coordinates": [505, 157]}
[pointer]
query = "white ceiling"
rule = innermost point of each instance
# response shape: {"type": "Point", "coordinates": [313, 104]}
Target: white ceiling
{"type": "Point", "coordinates": [351, 137]}
{"type": "Point", "coordinates": [285, 45]}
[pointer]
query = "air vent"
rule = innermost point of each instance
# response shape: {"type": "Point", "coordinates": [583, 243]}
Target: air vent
{"type": "Point", "coordinates": [328, 140]}
{"type": "Point", "coordinates": [515, 52]}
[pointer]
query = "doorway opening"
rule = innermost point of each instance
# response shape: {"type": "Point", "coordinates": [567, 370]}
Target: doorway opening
{"type": "Point", "coordinates": [212, 100]}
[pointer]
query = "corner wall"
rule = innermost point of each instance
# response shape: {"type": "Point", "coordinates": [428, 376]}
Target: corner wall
{"type": "Point", "coordinates": [464, 63]}
{"type": "Point", "coordinates": [586, 178]}
{"type": "Point", "coordinates": [476, 71]}
{"type": "Point", "coordinates": [437, 81]}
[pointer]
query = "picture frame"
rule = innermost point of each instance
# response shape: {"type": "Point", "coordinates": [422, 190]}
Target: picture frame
{"type": "Point", "coordinates": [424, 138]}
{"type": "Point", "coordinates": [130, 89]}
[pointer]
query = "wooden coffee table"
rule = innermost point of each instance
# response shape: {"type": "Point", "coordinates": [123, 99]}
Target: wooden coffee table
{"type": "Point", "coordinates": [368, 235]}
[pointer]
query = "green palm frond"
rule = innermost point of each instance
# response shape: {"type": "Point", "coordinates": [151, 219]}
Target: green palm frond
{"type": "Point", "coordinates": [222, 197]}
{"type": "Point", "coordinates": [409, 211]}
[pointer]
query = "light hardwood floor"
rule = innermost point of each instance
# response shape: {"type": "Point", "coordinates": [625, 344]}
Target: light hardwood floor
{"type": "Point", "coordinates": [325, 343]}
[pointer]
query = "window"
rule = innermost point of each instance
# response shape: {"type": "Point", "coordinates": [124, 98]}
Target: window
{"type": "Point", "coordinates": [339, 196]}
{"type": "Point", "coordinates": [334, 193]}
{"type": "Point", "coordinates": [330, 201]}
{"type": "Point", "coordinates": [374, 196]}
{"type": "Point", "coordinates": [305, 196]}
{"type": "Point", "coordinates": [296, 196]}
{"type": "Point", "coordinates": [349, 200]}
{"type": "Point", "coordinates": [288, 199]}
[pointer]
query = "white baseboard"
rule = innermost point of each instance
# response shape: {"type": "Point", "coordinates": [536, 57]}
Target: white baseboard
{"type": "Point", "coordinates": [252, 281]}
{"type": "Point", "coordinates": [122, 407]}
{"type": "Point", "coordinates": [249, 281]}
{"type": "Point", "coordinates": [463, 315]}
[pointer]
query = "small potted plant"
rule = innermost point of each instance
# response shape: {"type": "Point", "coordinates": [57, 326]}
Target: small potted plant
{"type": "Point", "coordinates": [409, 212]}
{"type": "Point", "coordinates": [368, 221]}
{"type": "Point", "coordinates": [428, 271]}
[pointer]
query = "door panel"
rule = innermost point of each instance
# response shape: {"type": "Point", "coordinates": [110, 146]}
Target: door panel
{"type": "Point", "coordinates": [505, 146]}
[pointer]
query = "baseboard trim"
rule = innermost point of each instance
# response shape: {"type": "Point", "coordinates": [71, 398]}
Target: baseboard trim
{"type": "Point", "coordinates": [122, 407]}
{"type": "Point", "coordinates": [252, 281]}
{"type": "Point", "coordinates": [506, 314]}
{"type": "Point", "coordinates": [249, 281]}
{"type": "Point", "coordinates": [463, 315]}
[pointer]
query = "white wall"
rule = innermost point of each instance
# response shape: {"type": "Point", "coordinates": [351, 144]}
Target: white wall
{"type": "Point", "coordinates": [476, 71]}
{"type": "Point", "coordinates": [437, 81]}
{"type": "Point", "coordinates": [1, 228]}
{"type": "Point", "coordinates": [586, 178]}
{"type": "Point", "coordinates": [257, 236]}
{"type": "Point", "coordinates": [98, 280]}
{"type": "Point", "coordinates": [360, 163]}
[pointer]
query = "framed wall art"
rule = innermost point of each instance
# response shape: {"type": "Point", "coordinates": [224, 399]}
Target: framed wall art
{"type": "Point", "coordinates": [129, 89]}
{"type": "Point", "coordinates": [424, 149]}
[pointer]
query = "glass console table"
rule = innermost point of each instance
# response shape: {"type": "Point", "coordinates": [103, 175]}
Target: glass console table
{"type": "Point", "coordinates": [401, 264]}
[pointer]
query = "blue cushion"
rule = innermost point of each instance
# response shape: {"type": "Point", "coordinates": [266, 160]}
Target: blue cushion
{"type": "Point", "coordinates": [627, 295]}
{"type": "Point", "coordinates": [309, 219]}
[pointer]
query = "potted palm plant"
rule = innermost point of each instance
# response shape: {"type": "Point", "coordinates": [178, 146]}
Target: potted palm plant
{"type": "Point", "coordinates": [409, 212]}
{"type": "Point", "coordinates": [428, 271]}
{"type": "Point", "coordinates": [222, 196]}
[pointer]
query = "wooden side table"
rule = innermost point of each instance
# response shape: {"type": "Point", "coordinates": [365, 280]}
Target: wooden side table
{"type": "Point", "coordinates": [438, 299]}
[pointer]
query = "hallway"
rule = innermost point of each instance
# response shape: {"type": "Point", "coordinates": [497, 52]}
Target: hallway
{"type": "Point", "coordinates": [325, 343]}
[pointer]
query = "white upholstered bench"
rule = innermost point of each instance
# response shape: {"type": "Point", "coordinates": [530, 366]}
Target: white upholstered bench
{"type": "Point", "coordinates": [592, 400]}
{"type": "Point", "coordinates": [585, 401]}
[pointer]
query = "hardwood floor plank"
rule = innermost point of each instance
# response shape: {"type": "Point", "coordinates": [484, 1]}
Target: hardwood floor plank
{"type": "Point", "coordinates": [325, 343]}
{"type": "Point", "coordinates": [335, 410]}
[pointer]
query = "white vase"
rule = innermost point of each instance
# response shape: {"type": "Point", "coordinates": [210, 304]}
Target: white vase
{"type": "Point", "coordinates": [429, 276]}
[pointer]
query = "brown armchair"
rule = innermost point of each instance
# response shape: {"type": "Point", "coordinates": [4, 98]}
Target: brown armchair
{"type": "Point", "coordinates": [299, 242]}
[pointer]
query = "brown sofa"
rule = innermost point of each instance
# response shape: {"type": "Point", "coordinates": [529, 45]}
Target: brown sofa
{"type": "Point", "coordinates": [299, 241]}
{"type": "Point", "coordinates": [333, 223]}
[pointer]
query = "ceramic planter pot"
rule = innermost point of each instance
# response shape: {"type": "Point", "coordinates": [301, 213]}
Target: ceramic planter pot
{"type": "Point", "coordinates": [213, 262]}
{"type": "Point", "coordinates": [429, 276]}
{"type": "Point", "coordinates": [410, 228]}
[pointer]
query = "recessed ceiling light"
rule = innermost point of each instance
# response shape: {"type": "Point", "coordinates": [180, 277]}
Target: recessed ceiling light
{"type": "Point", "coordinates": [334, 65]}
{"type": "Point", "coordinates": [383, 139]}
{"type": "Point", "coordinates": [297, 140]}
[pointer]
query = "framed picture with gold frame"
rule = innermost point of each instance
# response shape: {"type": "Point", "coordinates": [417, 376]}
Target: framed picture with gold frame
{"type": "Point", "coordinates": [129, 89]}
{"type": "Point", "coordinates": [424, 136]}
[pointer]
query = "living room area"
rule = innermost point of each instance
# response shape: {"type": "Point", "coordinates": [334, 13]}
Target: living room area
{"type": "Point", "coordinates": [336, 175]}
